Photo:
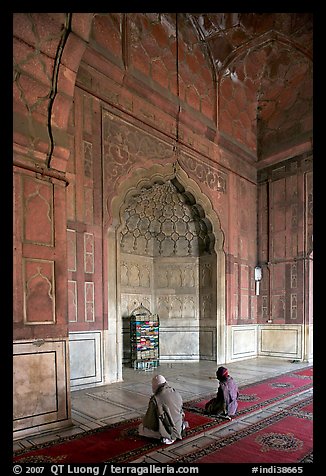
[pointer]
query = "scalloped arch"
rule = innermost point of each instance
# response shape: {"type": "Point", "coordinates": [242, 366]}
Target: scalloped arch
{"type": "Point", "coordinates": [145, 178]}
{"type": "Point", "coordinates": [137, 179]}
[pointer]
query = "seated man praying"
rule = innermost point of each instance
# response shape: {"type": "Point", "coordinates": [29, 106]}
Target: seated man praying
{"type": "Point", "coordinates": [226, 401]}
{"type": "Point", "coordinates": [164, 418]}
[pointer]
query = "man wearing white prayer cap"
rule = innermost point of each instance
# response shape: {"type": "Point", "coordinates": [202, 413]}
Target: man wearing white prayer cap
{"type": "Point", "coordinates": [164, 418]}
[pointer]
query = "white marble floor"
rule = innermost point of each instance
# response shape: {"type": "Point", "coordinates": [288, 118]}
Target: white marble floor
{"type": "Point", "coordinates": [102, 405]}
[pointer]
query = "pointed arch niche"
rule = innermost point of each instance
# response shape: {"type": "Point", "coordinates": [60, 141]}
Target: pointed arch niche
{"type": "Point", "coordinates": [165, 250]}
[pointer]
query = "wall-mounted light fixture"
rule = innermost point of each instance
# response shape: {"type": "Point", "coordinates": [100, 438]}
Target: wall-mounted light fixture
{"type": "Point", "coordinates": [258, 277]}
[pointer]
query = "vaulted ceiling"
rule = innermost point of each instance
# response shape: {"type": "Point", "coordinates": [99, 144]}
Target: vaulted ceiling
{"type": "Point", "coordinates": [255, 67]}
{"type": "Point", "coordinates": [266, 58]}
{"type": "Point", "coordinates": [249, 76]}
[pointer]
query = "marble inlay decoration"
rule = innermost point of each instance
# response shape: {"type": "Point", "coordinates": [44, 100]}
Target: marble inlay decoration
{"type": "Point", "coordinates": [293, 275]}
{"type": "Point", "coordinates": [38, 224]}
{"type": "Point", "coordinates": [89, 253]}
{"type": "Point", "coordinates": [215, 179]}
{"type": "Point", "coordinates": [71, 250]}
{"type": "Point", "coordinates": [39, 292]}
{"type": "Point", "coordinates": [89, 302]}
{"type": "Point", "coordinates": [72, 301]}
{"type": "Point", "coordinates": [88, 205]}
{"type": "Point", "coordinates": [294, 306]}
{"type": "Point", "coordinates": [88, 159]}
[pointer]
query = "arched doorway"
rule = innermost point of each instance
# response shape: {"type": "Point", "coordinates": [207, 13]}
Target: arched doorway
{"type": "Point", "coordinates": [165, 250]}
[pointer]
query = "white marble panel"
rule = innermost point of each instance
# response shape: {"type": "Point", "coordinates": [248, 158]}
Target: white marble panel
{"type": "Point", "coordinates": [207, 343]}
{"type": "Point", "coordinates": [40, 394]}
{"type": "Point", "coordinates": [37, 372]}
{"type": "Point", "coordinates": [179, 343]}
{"type": "Point", "coordinates": [85, 358]}
{"type": "Point", "coordinates": [242, 341]}
{"type": "Point", "coordinates": [281, 340]}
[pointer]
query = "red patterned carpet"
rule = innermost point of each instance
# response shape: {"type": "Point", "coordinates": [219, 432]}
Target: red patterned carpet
{"type": "Point", "coordinates": [285, 437]}
{"type": "Point", "coordinates": [120, 442]}
{"type": "Point", "coordinates": [255, 396]}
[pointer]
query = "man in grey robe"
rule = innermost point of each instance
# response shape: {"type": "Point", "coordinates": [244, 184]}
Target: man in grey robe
{"type": "Point", "coordinates": [164, 418]}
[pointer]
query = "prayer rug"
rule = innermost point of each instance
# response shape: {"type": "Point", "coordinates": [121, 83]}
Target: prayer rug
{"type": "Point", "coordinates": [120, 442]}
{"type": "Point", "coordinates": [255, 396]}
{"type": "Point", "coordinates": [285, 437]}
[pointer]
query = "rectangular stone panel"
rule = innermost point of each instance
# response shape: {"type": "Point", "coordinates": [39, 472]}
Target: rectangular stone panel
{"type": "Point", "coordinates": [71, 249]}
{"type": "Point", "coordinates": [89, 302]}
{"type": "Point", "coordinates": [72, 301]}
{"type": "Point", "coordinates": [38, 372]}
{"type": "Point", "coordinates": [39, 384]}
{"type": "Point", "coordinates": [88, 252]}
{"type": "Point", "coordinates": [179, 343]}
{"type": "Point", "coordinates": [85, 358]}
{"type": "Point", "coordinates": [39, 291]}
{"type": "Point", "coordinates": [280, 341]}
{"type": "Point", "coordinates": [244, 305]}
{"type": "Point", "coordinates": [243, 341]}
{"type": "Point", "coordinates": [38, 223]}
{"type": "Point", "coordinates": [278, 277]}
{"type": "Point", "coordinates": [244, 277]}
{"type": "Point", "coordinates": [279, 245]}
{"type": "Point", "coordinates": [207, 343]}
{"type": "Point", "coordinates": [278, 306]}
{"type": "Point", "coordinates": [88, 205]}
{"type": "Point", "coordinates": [71, 200]}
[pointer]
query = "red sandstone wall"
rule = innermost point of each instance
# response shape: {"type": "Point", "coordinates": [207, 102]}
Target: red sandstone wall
{"type": "Point", "coordinates": [42, 98]}
{"type": "Point", "coordinates": [129, 67]}
{"type": "Point", "coordinates": [84, 218]}
{"type": "Point", "coordinates": [241, 253]}
{"type": "Point", "coordinates": [79, 75]}
{"type": "Point", "coordinates": [144, 112]}
{"type": "Point", "coordinates": [39, 272]}
{"type": "Point", "coordinates": [285, 240]}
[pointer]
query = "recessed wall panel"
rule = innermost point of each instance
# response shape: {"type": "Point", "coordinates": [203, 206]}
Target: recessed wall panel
{"type": "Point", "coordinates": [282, 341]}
{"type": "Point", "coordinates": [40, 394]}
{"type": "Point", "coordinates": [85, 358]}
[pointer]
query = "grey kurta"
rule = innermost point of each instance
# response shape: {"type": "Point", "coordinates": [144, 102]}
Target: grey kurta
{"type": "Point", "coordinates": [164, 413]}
{"type": "Point", "coordinates": [226, 399]}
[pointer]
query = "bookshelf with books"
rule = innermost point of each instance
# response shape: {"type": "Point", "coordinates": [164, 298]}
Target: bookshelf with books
{"type": "Point", "coordinates": [144, 334]}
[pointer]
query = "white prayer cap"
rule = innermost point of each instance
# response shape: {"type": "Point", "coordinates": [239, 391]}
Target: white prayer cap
{"type": "Point", "coordinates": [157, 381]}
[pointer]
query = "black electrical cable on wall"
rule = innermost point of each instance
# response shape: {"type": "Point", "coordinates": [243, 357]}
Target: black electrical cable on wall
{"type": "Point", "coordinates": [177, 71]}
